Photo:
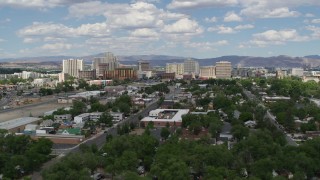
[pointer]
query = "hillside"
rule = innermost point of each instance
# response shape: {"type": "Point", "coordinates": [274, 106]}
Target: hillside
{"type": "Point", "coordinates": [161, 60]}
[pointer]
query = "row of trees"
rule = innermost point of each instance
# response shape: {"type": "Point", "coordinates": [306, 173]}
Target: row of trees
{"type": "Point", "coordinates": [10, 70]}
{"type": "Point", "coordinates": [13, 80]}
{"type": "Point", "coordinates": [257, 156]}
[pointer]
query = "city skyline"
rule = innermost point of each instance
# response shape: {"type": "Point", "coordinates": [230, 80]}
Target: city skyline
{"type": "Point", "coordinates": [200, 29]}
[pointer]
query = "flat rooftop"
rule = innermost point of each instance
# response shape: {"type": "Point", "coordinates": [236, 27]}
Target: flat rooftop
{"type": "Point", "coordinates": [167, 115]}
{"type": "Point", "coordinates": [18, 122]}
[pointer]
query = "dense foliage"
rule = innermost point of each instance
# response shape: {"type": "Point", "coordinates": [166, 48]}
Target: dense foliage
{"type": "Point", "coordinates": [263, 152]}
{"type": "Point", "coordinates": [20, 155]}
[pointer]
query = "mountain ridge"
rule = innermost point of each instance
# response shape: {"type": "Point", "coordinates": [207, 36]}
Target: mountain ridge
{"type": "Point", "coordinates": [161, 60]}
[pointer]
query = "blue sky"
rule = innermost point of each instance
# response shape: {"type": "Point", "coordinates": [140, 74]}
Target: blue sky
{"type": "Point", "coordinates": [189, 28]}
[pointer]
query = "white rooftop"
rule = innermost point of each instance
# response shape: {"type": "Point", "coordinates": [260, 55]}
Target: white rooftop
{"type": "Point", "coordinates": [18, 122]}
{"type": "Point", "coordinates": [177, 117]}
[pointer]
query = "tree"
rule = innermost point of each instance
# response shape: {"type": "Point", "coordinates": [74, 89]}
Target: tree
{"type": "Point", "coordinates": [165, 133]}
{"type": "Point", "coordinates": [124, 108]}
{"type": "Point", "coordinates": [195, 127]}
{"type": "Point", "coordinates": [215, 128]}
{"type": "Point", "coordinates": [239, 132]}
{"type": "Point", "coordinates": [173, 168]}
{"type": "Point", "coordinates": [263, 168]}
{"type": "Point", "coordinates": [106, 119]}
{"type": "Point", "coordinates": [245, 116]}
{"type": "Point", "coordinates": [78, 107]}
{"type": "Point", "coordinates": [97, 107]}
{"type": "Point", "coordinates": [150, 125]}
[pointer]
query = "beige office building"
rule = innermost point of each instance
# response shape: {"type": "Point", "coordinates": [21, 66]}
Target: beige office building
{"type": "Point", "coordinates": [72, 67]}
{"type": "Point", "coordinates": [177, 68]}
{"type": "Point", "coordinates": [207, 72]}
{"type": "Point", "coordinates": [223, 70]}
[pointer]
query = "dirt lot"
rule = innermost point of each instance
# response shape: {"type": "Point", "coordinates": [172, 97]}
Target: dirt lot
{"type": "Point", "coordinates": [137, 132]}
{"type": "Point", "coordinates": [36, 110]}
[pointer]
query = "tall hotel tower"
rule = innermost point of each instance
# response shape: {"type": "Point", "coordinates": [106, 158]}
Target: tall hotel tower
{"type": "Point", "coordinates": [72, 66]}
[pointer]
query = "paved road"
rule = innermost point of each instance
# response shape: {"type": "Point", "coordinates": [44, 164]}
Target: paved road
{"type": "Point", "coordinates": [272, 119]}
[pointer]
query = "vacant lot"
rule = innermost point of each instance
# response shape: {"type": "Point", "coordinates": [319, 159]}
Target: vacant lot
{"type": "Point", "coordinates": [35, 111]}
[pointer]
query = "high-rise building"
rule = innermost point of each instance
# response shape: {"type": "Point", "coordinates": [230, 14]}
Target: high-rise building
{"type": "Point", "coordinates": [107, 62]}
{"type": "Point", "coordinates": [191, 66]}
{"type": "Point", "coordinates": [144, 65]}
{"type": "Point", "coordinates": [207, 72]}
{"type": "Point", "coordinates": [223, 70]}
{"type": "Point", "coordinates": [72, 67]}
{"type": "Point", "coordinates": [177, 68]}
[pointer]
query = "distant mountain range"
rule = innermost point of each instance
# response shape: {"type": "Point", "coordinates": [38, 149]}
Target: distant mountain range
{"type": "Point", "coordinates": [161, 60]}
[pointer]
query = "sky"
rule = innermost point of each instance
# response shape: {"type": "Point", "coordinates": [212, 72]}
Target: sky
{"type": "Point", "coordinates": [188, 28]}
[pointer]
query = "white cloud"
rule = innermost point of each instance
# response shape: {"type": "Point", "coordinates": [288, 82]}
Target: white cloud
{"type": "Point", "coordinates": [91, 8]}
{"type": "Point", "coordinates": [95, 30]}
{"type": "Point", "coordinates": [315, 21]}
{"type": "Point", "coordinates": [315, 30]}
{"type": "Point", "coordinates": [242, 27]}
{"type": "Point", "coordinates": [54, 39]}
{"type": "Point", "coordinates": [167, 16]}
{"type": "Point", "coordinates": [37, 3]}
{"type": "Point", "coordinates": [138, 15]}
{"type": "Point", "coordinates": [277, 37]}
{"type": "Point", "coordinates": [222, 30]}
{"type": "Point", "coordinates": [126, 16]}
{"type": "Point", "coordinates": [231, 16]}
{"type": "Point", "coordinates": [206, 45]}
{"type": "Point", "coordinates": [241, 46]}
{"type": "Point", "coordinates": [124, 45]}
{"type": "Point", "coordinates": [39, 29]}
{"type": "Point", "coordinates": [183, 26]}
{"type": "Point", "coordinates": [211, 20]}
{"type": "Point", "coordinates": [2, 40]}
{"type": "Point", "coordinates": [31, 40]}
{"type": "Point", "coordinates": [52, 30]}
{"type": "Point", "coordinates": [262, 12]}
{"type": "Point", "coordinates": [189, 4]}
{"type": "Point", "coordinates": [309, 15]}
{"type": "Point", "coordinates": [222, 42]}
{"type": "Point", "coordinates": [145, 32]}
{"type": "Point", "coordinates": [56, 47]}
{"type": "Point", "coordinates": [148, 1]}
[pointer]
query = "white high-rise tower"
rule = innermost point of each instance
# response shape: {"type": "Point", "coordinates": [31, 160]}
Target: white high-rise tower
{"type": "Point", "coordinates": [72, 66]}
